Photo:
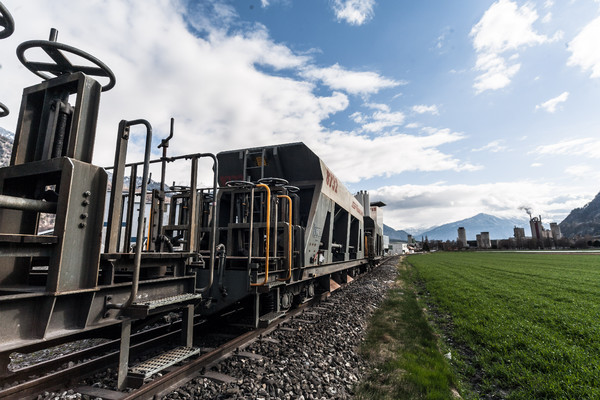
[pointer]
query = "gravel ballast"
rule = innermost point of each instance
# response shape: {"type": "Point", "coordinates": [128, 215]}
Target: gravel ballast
{"type": "Point", "coordinates": [315, 356]}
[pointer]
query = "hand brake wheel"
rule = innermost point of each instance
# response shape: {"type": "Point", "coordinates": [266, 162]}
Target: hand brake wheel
{"type": "Point", "coordinates": [61, 64]}
{"type": "Point", "coordinates": [3, 110]}
{"type": "Point", "coordinates": [273, 181]}
{"type": "Point", "coordinates": [6, 22]}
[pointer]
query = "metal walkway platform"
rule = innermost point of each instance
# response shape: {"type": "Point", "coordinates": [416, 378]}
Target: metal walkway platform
{"type": "Point", "coordinates": [136, 375]}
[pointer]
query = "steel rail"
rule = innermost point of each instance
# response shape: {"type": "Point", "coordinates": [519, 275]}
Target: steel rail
{"type": "Point", "coordinates": [25, 373]}
{"type": "Point", "coordinates": [174, 379]}
{"type": "Point", "coordinates": [159, 386]}
{"type": "Point", "coordinates": [32, 387]}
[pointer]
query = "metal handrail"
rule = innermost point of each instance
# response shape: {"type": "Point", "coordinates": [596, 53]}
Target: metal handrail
{"type": "Point", "coordinates": [268, 235]}
{"type": "Point", "coordinates": [289, 199]}
{"type": "Point", "coordinates": [215, 212]}
{"type": "Point", "coordinates": [140, 228]}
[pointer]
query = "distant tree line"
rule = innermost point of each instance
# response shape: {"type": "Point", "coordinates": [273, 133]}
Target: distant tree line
{"type": "Point", "coordinates": [580, 242]}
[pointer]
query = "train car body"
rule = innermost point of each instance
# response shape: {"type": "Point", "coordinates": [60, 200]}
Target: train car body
{"type": "Point", "coordinates": [316, 226]}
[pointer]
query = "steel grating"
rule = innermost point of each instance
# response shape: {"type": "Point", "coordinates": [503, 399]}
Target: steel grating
{"type": "Point", "coordinates": [152, 304]}
{"type": "Point", "coordinates": [162, 361]}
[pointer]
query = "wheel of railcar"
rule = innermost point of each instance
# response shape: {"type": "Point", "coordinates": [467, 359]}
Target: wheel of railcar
{"type": "Point", "coordinates": [240, 184]}
{"type": "Point", "coordinates": [310, 290]}
{"type": "Point", "coordinates": [61, 64]}
{"type": "Point", "coordinates": [287, 300]}
{"type": "Point", "coordinates": [273, 181]}
{"type": "Point", "coordinates": [3, 110]}
{"type": "Point", "coordinates": [6, 22]}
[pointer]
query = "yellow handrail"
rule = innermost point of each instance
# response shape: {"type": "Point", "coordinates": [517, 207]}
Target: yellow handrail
{"type": "Point", "coordinates": [289, 237]}
{"type": "Point", "coordinates": [268, 235]}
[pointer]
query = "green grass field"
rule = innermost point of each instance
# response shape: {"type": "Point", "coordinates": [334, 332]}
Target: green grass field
{"type": "Point", "coordinates": [521, 326]}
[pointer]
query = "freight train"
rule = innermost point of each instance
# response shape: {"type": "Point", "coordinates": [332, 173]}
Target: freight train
{"type": "Point", "coordinates": [276, 227]}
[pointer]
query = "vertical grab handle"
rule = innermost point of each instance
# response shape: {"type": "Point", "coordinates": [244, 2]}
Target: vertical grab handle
{"type": "Point", "coordinates": [268, 235]}
{"type": "Point", "coordinates": [289, 276]}
{"type": "Point", "coordinates": [140, 228]}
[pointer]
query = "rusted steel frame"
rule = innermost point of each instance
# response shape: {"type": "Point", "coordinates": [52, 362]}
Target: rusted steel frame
{"type": "Point", "coordinates": [268, 235]}
{"type": "Point", "coordinates": [289, 275]}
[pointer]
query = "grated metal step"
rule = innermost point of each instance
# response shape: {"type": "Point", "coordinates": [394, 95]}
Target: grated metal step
{"type": "Point", "coordinates": [142, 309]}
{"type": "Point", "coordinates": [154, 365]}
{"type": "Point", "coordinates": [180, 298]}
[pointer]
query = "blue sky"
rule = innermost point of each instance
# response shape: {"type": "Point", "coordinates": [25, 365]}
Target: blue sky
{"type": "Point", "coordinates": [440, 109]}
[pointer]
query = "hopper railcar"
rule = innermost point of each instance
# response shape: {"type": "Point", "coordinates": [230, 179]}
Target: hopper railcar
{"type": "Point", "coordinates": [286, 225]}
{"type": "Point", "coordinates": [275, 228]}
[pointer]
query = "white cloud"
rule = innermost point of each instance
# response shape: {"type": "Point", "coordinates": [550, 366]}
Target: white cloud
{"type": "Point", "coordinates": [212, 84]}
{"type": "Point", "coordinates": [551, 105]}
{"type": "Point", "coordinates": [378, 106]}
{"type": "Point", "coordinates": [547, 18]}
{"type": "Point", "coordinates": [587, 147]}
{"type": "Point", "coordinates": [354, 12]}
{"type": "Point", "coordinates": [413, 125]}
{"type": "Point", "coordinates": [356, 157]}
{"type": "Point", "coordinates": [353, 82]}
{"type": "Point", "coordinates": [504, 28]}
{"type": "Point", "coordinates": [494, 146]}
{"type": "Point", "coordinates": [584, 49]}
{"type": "Point", "coordinates": [381, 120]}
{"type": "Point", "coordinates": [358, 117]}
{"type": "Point", "coordinates": [537, 165]}
{"type": "Point", "coordinates": [422, 109]}
{"type": "Point", "coordinates": [264, 3]}
{"type": "Point", "coordinates": [436, 204]}
{"type": "Point", "coordinates": [580, 170]}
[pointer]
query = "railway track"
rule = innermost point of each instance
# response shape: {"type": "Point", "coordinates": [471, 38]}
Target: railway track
{"type": "Point", "coordinates": [35, 379]}
{"type": "Point", "coordinates": [171, 378]}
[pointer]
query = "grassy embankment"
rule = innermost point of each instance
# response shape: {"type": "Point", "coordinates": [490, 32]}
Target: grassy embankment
{"type": "Point", "coordinates": [525, 326]}
{"type": "Point", "coordinates": [403, 349]}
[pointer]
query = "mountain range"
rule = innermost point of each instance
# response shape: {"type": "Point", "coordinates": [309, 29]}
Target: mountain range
{"type": "Point", "coordinates": [499, 228]}
{"type": "Point", "coordinates": [395, 234]}
{"type": "Point", "coordinates": [583, 221]}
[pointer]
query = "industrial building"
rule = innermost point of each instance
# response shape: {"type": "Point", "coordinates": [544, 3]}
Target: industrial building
{"type": "Point", "coordinates": [486, 243]}
{"type": "Point", "coordinates": [462, 237]}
